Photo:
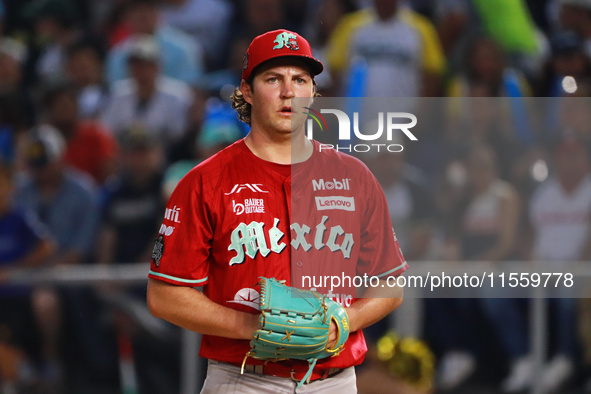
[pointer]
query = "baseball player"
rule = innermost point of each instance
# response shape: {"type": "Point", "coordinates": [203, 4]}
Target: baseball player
{"type": "Point", "coordinates": [266, 206]}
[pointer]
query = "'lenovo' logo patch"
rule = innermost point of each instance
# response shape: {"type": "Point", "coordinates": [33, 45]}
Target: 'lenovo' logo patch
{"type": "Point", "coordinates": [335, 202]}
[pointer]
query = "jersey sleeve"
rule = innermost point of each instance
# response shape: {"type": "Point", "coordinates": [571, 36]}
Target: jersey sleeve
{"type": "Point", "coordinates": [182, 249]}
{"type": "Point", "coordinates": [379, 255]}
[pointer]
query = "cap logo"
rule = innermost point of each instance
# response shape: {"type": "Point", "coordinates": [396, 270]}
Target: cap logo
{"type": "Point", "coordinates": [245, 62]}
{"type": "Point", "coordinates": [287, 40]}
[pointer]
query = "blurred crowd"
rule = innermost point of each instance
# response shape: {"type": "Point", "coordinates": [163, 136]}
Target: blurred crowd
{"type": "Point", "coordinates": [106, 105]}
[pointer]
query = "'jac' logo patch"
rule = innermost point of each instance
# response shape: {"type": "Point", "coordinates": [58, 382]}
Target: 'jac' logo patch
{"type": "Point", "coordinates": [253, 187]}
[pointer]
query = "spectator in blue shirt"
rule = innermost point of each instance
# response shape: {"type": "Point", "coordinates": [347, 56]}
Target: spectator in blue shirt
{"type": "Point", "coordinates": [2, 12]}
{"type": "Point", "coordinates": [24, 243]}
{"type": "Point", "coordinates": [64, 200]}
{"type": "Point", "coordinates": [181, 57]}
{"type": "Point", "coordinates": [67, 203]}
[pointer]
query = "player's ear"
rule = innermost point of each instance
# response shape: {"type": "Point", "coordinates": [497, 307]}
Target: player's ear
{"type": "Point", "coordinates": [313, 93]}
{"type": "Point", "coordinates": [246, 90]}
{"type": "Point", "coordinates": [314, 88]}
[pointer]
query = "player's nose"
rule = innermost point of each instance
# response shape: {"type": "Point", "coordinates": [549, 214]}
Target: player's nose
{"type": "Point", "coordinates": [288, 90]}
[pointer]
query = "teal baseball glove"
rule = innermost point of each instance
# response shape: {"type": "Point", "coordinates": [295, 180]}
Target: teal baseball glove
{"type": "Point", "coordinates": [295, 324]}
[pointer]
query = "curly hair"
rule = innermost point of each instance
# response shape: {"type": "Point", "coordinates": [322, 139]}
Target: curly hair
{"type": "Point", "coordinates": [243, 108]}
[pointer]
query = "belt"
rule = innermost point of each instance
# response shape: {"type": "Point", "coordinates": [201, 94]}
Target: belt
{"type": "Point", "coordinates": [284, 371]}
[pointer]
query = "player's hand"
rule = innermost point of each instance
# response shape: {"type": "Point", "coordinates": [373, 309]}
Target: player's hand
{"type": "Point", "coordinates": [332, 335]}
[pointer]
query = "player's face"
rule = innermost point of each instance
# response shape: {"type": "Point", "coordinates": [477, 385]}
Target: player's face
{"type": "Point", "coordinates": [271, 93]}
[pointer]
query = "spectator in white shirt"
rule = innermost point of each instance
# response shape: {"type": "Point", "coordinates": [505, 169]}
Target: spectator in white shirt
{"type": "Point", "coordinates": [148, 99]}
{"type": "Point", "coordinates": [560, 220]}
{"type": "Point", "coordinates": [206, 21]}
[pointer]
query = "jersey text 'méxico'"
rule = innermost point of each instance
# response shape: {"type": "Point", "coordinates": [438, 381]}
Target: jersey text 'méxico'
{"type": "Point", "coordinates": [235, 218]}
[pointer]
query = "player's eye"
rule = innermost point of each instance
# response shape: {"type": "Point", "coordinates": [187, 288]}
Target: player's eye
{"type": "Point", "coordinates": [301, 80]}
{"type": "Point", "coordinates": [272, 79]}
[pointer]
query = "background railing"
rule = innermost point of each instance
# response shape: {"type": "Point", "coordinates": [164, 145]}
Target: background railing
{"type": "Point", "coordinates": [407, 320]}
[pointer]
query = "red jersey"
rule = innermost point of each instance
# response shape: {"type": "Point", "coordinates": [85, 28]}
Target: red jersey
{"type": "Point", "coordinates": [236, 217]}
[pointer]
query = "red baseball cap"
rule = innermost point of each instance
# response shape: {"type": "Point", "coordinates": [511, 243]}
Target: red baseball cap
{"type": "Point", "coordinates": [278, 43]}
